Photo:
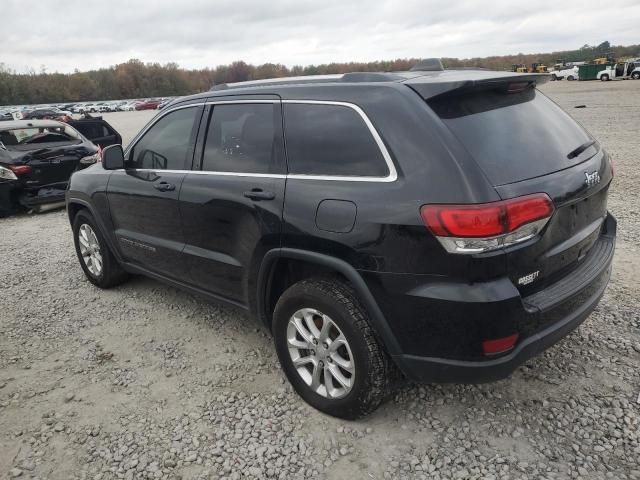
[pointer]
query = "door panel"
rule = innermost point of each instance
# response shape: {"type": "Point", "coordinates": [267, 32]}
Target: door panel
{"type": "Point", "coordinates": [146, 219]}
{"type": "Point", "coordinates": [226, 232]}
{"type": "Point", "coordinates": [98, 131]}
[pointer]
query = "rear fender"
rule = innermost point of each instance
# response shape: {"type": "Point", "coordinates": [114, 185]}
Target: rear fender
{"type": "Point", "coordinates": [376, 317]}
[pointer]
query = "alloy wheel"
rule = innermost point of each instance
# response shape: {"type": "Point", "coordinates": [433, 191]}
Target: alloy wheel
{"type": "Point", "coordinates": [320, 353]}
{"type": "Point", "coordinates": [90, 249]}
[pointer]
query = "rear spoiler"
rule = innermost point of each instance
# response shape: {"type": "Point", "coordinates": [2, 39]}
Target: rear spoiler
{"type": "Point", "coordinates": [429, 86]}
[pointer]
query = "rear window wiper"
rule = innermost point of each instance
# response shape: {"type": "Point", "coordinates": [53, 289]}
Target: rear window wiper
{"type": "Point", "coordinates": [580, 149]}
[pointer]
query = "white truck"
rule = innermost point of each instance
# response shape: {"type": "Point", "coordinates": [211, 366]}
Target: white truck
{"type": "Point", "coordinates": [621, 71]}
{"type": "Point", "coordinates": [560, 72]}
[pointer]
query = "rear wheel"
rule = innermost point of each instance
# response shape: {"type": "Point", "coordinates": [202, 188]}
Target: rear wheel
{"type": "Point", "coordinates": [328, 350]}
{"type": "Point", "coordinates": [98, 263]}
{"type": "Point", "coordinates": [554, 77]}
{"type": "Point", "coordinates": [635, 75]}
{"type": "Point", "coordinates": [571, 78]}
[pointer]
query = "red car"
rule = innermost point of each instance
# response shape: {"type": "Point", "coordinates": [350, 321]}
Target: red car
{"type": "Point", "coordinates": [148, 105]}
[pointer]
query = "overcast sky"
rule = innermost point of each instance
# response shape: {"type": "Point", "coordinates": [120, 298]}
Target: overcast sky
{"type": "Point", "coordinates": [70, 34]}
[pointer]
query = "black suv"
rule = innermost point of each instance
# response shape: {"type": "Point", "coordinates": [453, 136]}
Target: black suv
{"type": "Point", "coordinates": [448, 225]}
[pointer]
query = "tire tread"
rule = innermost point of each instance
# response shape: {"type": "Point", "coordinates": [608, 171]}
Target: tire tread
{"type": "Point", "coordinates": [379, 382]}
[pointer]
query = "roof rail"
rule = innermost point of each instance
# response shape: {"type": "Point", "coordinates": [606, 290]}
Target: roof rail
{"type": "Point", "coordinates": [371, 77]}
{"type": "Point", "coordinates": [428, 65]}
{"type": "Point", "coordinates": [278, 81]}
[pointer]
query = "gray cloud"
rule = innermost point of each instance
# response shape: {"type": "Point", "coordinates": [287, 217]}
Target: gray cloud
{"type": "Point", "coordinates": [78, 34]}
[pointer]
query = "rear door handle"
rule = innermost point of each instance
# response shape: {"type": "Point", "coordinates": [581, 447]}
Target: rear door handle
{"type": "Point", "coordinates": [259, 194]}
{"type": "Point", "coordinates": [164, 186]}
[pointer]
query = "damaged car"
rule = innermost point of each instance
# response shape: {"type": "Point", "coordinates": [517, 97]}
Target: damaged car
{"type": "Point", "coordinates": [37, 157]}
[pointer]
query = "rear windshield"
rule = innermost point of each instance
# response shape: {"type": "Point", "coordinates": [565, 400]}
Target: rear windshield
{"type": "Point", "coordinates": [34, 137]}
{"type": "Point", "coordinates": [513, 136]}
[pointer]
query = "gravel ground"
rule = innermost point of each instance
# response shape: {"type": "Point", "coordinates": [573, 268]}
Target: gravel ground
{"type": "Point", "coordinates": [144, 381]}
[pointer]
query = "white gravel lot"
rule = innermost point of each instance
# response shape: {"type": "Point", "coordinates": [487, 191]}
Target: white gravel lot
{"type": "Point", "coordinates": [145, 381]}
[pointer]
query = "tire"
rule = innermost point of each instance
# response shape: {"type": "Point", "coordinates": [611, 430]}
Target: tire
{"type": "Point", "coordinates": [604, 78]}
{"type": "Point", "coordinates": [571, 78]}
{"type": "Point", "coordinates": [326, 298]}
{"type": "Point", "coordinates": [554, 77]}
{"type": "Point", "coordinates": [110, 272]}
{"type": "Point", "coordinates": [635, 75]}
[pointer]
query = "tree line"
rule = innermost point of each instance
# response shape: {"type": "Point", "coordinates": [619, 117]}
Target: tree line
{"type": "Point", "coordinates": [136, 79]}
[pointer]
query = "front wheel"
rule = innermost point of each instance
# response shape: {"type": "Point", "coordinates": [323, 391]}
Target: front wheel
{"type": "Point", "coordinates": [328, 350]}
{"type": "Point", "coordinates": [571, 78]}
{"type": "Point", "coordinates": [604, 78]}
{"type": "Point", "coordinates": [98, 263]}
{"type": "Point", "coordinates": [635, 75]}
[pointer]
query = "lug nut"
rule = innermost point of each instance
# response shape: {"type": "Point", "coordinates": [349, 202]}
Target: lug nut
{"type": "Point", "coordinates": [314, 341]}
{"type": "Point", "coordinates": [325, 345]}
{"type": "Point", "coordinates": [320, 364]}
{"type": "Point", "coordinates": [313, 353]}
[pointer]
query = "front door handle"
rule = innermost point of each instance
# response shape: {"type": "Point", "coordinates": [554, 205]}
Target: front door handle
{"type": "Point", "coordinates": [164, 186]}
{"type": "Point", "coordinates": [259, 194]}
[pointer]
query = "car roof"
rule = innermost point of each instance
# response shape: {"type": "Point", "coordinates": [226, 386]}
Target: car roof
{"type": "Point", "coordinates": [430, 82]}
{"type": "Point", "coordinates": [13, 124]}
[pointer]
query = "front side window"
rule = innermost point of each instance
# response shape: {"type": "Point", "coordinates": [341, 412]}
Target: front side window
{"type": "Point", "coordinates": [330, 140]}
{"type": "Point", "coordinates": [167, 143]}
{"type": "Point", "coordinates": [242, 138]}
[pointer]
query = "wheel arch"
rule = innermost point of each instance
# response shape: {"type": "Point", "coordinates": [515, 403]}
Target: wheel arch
{"type": "Point", "coordinates": [75, 205]}
{"type": "Point", "coordinates": [326, 264]}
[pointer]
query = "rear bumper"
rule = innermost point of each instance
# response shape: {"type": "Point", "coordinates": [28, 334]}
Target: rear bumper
{"type": "Point", "coordinates": [442, 340]}
{"type": "Point", "coordinates": [426, 369]}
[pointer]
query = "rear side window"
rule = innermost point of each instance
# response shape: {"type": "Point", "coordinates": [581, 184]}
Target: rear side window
{"type": "Point", "coordinates": [242, 138]}
{"type": "Point", "coordinates": [167, 143]}
{"type": "Point", "coordinates": [513, 136]}
{"type": "Point", "coordinates": [330, 140]}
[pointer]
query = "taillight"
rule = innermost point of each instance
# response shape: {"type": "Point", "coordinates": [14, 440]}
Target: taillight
{"type": "Point", "coordinates": [487, 226]}
{"type": "Point", "coordinates": [20, 169]}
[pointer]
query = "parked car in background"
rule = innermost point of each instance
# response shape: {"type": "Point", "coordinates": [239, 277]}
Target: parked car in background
{"type": "Point", "coordinates": [129, 107]}
{"type": "Point", "coordinates": [21, 112]}
{"type": "Point", "coordinates": [570, 73]}
{"type": "Point", "coordinates": [37, 157]}
{"type": "Point", "coordinates": [46, 113]}
{"type": "Point", "coordinates": [620, 70]}
{"type": "Point", "coordinates": [77, 108]}
{"type": "Point", "coordinates": [409, 221]}
{"type": "Point", "coordinates": [148, 105]}
{"type": "Point", "coordinates": [5, 115]}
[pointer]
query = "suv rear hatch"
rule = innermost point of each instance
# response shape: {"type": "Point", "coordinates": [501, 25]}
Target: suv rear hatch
{"type": "Point", "coordinates": [525, 144]}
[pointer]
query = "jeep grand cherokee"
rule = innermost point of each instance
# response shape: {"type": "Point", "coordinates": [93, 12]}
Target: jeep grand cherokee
{"type": "Point", "coordinates": [445, 224]}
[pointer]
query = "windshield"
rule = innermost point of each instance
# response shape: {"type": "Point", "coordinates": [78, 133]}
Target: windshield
{"type": "Point", "coordinates": [16, 138]}
{"type": "Point", "coordinates": [513, 136]}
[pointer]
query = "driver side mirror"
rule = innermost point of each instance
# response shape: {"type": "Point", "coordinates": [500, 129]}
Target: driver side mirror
{"type": "Point", "coordinates": [113, 157]}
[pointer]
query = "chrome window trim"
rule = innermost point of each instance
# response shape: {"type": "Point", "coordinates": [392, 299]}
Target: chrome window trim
{"type": "Point", "coordinates": [391, 177]}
